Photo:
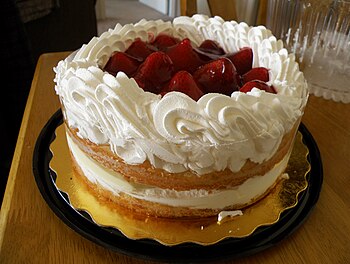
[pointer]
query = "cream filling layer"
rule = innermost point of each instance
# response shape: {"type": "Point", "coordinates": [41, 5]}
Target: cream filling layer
{"type": "Point", "coordinates": [195, 198]}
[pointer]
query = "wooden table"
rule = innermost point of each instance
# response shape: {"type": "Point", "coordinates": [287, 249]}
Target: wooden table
{"type": "Point", "coordinates": [31, 233]}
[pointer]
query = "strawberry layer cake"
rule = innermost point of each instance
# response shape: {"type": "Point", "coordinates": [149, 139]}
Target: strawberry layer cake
{"type": "Point", "coordinates": [188, 118]}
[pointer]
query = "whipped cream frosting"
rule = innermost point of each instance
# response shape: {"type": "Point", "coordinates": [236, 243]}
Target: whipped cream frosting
{"type": "Point", "coordinates": [175, 132]}
{"type": "Point", "coordinates": [243, 194]}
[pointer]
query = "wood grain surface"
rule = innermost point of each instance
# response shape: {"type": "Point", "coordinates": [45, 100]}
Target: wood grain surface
{"type": "Point", "coordinates": [31, 233]}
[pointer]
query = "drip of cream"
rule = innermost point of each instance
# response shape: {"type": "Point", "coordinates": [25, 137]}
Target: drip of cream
{"type": "Point", "coordinates": [223, 214]}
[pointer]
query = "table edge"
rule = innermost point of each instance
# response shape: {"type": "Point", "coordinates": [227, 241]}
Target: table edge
{"type": "Point", "coordinates": [7, 199]}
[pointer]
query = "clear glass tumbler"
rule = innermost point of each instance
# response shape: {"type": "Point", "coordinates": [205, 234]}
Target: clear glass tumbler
{"type": "Point", "coordinates": [317, 31]}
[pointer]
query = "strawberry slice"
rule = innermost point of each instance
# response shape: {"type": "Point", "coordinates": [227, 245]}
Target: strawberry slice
{"type": "Point", "coordinates": [259, 73]}
{"type": "Point", "coordinates": [183, 82]}
{"type": "Point", "coordinates": [219, 76]}
{"type": "Point", "coordinates": [247, 87]}
{"type": "Point", "coordinates": [184, 57]}
{"type": "Point", "coordinates": [140, 49]}
{"type": "Point", "coordinates": [163, 41]}
{"type": "Point", "coordinates": [242, 59]}
{"type": "Point", "coordinates": [154, 72]}
{"type": "Point", "coordinates": [210, 46]}
{"type": "Point", "coordinates": [121, 61]}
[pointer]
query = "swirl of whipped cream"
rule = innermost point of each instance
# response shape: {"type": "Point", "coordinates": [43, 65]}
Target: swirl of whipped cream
{"type": "Point", "coordinates": [175, 132]}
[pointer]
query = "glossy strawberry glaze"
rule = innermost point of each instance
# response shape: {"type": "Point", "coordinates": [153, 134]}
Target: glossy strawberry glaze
{"type": "Point", "coordinates": [169, 64]}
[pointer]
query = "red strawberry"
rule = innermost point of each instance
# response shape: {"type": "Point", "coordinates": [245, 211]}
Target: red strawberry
{"type": "Point", "coordinates": [247, 87]}
{"type": "Point", "coordinates": [206, 56]}
{"type": "Point", "coordinates": [210, 46]}
{"type": "Point", "coordinates": [140, 49]}
{"type": "Point", "coordinates": [209, 50]}
{"type": "Point", "coordinates": [259, 73]}
{"type": "Point", "coordinates": [121, 61]}
{"type": "Point", "coordinates": [242, 59]}
{"type": "Point", "coordinates": [163, 92]}
{"type": "Point", "coordinates": [163, 41]}
{"type": "Point", "coordinates": [154, 72]}
{"type": "Point", "coordinates": [218, 76]}
{"type": "Point", "coordinates": [184, 57]}
{"type": "Point", "coordinates": [183, 82]}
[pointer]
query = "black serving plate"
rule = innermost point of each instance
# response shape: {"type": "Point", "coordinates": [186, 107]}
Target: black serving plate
{"type": "Point", "coordinates": [229, 248]}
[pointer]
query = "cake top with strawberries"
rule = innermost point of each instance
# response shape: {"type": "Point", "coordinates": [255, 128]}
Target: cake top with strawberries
{"type": "Point", "coordinates": [166, 64]}
{"type": "Point", "coordinates": [221, 92]}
